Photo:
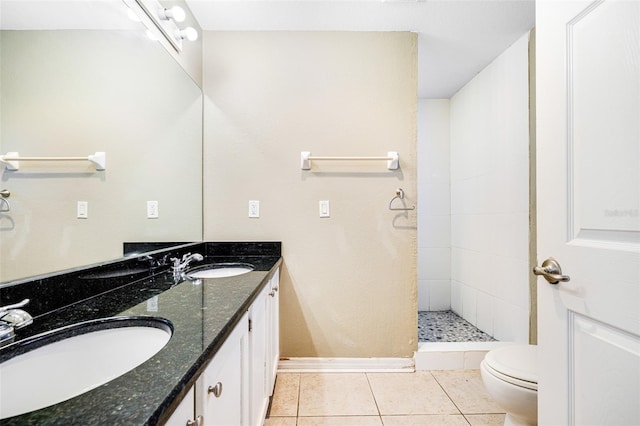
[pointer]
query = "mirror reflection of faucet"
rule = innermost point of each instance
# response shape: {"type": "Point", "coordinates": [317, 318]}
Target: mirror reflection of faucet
{"type": "Point", "coordinates": [11, 319]}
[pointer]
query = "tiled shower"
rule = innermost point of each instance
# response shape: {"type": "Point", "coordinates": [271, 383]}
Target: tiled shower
{"type": "Point", "coordinates": [473, 203]}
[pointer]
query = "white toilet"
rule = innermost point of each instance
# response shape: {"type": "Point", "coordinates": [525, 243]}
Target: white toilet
{"type": "Point", "coordinates": [510, 377]}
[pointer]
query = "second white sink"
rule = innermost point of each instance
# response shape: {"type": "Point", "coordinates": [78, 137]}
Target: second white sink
{"type": "Point", "coordinates": [220, 270]}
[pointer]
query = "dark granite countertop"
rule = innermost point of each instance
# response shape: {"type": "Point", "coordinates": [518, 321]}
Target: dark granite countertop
{"type": "Point", "coordinates": [202, 313]}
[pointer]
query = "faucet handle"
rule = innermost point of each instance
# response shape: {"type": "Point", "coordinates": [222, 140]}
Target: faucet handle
{"type": "Point", "coordinates": [14, 306]}
{"type": "Point", "coordinates": [17, 318]}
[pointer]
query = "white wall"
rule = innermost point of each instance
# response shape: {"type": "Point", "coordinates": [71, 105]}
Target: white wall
{"type": "Point", "coordinates": [434, 220]}
{"type": "Point", "coordinates": [489, 197]}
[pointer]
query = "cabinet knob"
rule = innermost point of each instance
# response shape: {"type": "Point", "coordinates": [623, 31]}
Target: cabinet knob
{"type": "Point", "coordinates": [215, 390]}
{"type": "Point", "coordinates": [272, 293]}
{"type": "Point", "coordinates": [197, 422]}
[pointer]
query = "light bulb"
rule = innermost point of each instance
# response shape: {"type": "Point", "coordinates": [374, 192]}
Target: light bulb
{"type": "Point", "coordinates": [188, 33]}
{"type": "Point", "coordinates": [176, 13]}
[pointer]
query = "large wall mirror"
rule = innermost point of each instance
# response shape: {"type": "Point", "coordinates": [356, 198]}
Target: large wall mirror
{"type": "Point", "coordinates": [78, 81]}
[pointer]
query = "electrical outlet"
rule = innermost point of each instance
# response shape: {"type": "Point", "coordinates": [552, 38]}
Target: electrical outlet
{"type": "Point", "coordinates": [254, 208]}
{"type": "Point", "coordinates": [324, 208]}
{"type": "Point", "coordinates": [82, 211]}
{"type": "Point", "coordinates": [152, 210]}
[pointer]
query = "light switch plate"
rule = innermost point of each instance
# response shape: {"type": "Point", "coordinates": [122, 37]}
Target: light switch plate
{"type": "Point", "coordinates": [254, 208]}
{"type": "Point", "coordinates": [152, 210]}
{"type": "Point", "coordinates": [324, 210]}
{"type": "Point", "coordinates": [82, 211]}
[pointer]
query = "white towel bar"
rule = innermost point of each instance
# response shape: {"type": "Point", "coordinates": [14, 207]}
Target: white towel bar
{"type": "Point", "coordinates": [391, 158]}
{"type": "Point", "coordinates": [12, 160]}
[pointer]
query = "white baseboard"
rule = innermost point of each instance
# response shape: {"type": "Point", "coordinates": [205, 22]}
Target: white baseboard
{"type": "Point", "coordinates": [346, 365]}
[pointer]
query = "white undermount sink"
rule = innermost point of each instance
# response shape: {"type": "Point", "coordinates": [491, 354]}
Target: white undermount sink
{"type": "Point", "coordinates": [95, 353]}
{"type": "Point", "coordinates": [220, 270]}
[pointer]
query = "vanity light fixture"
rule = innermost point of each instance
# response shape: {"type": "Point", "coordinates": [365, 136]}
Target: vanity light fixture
{"type": "Point", "coordinates": [188, 33]}
{"type": "Point", "coordinates": [163, 22]}
{"type": "Point", "coordinates": [176, 13]}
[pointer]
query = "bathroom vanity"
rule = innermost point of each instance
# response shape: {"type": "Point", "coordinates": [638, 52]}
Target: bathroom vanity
{"type": "Point", "coordinates": [220, 362]}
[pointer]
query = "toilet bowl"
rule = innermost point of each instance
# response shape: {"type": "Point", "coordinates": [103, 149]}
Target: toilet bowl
{"type": "Point", "coordinates": [510, 376]}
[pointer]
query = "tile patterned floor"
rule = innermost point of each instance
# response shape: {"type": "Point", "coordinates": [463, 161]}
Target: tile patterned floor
{"type": "Point", "coordinates": [446, 326]}
{"type": "Point", "coordinates": [438, 398]}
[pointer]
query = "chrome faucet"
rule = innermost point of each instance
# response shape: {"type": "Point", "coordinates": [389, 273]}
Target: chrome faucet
{"type": "Point", "coordinates": [12, 318]}
{"type": "Point", "coordinates": [179, 266]}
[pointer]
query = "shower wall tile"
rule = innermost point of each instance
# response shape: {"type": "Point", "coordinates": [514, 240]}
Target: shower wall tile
{"type": "Point", "coordinates": [456, 297]}
{"type": "Point", "coordinates": [424, 294]}
{"type": "Point", "coordinates": [434, 263]}
{"type": "Point", "coordinates": [434, 201]}
{"type": "Point", "coordinates": [516, 272]}
{"type": "Point", "coordinates": [511, 324]}
{"type": "Point", "coordinates": [439, 295]}
{"type": "Point", "coordinates": [433, 137]}
{"type": "Point", "coordinates": [435, 231]}
{"type": "Point", "coordinates": [485, 313]}
{"type": "Point", "coordinates": [437, 196]}
{"type": "Point", "coordinates": [469, 303]}
{"type": "Point", "coordinates": [489, 197]}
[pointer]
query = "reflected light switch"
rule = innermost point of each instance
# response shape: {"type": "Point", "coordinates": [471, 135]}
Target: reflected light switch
{"type": "Point", "coordinates": [254, 208]}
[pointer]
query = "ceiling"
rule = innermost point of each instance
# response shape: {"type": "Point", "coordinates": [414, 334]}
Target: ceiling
{"type": "Point", "coordinates": [456, 38]}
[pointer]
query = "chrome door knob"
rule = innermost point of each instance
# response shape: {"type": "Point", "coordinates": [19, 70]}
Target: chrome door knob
{"type": "Point", "coordinates": [551, 271]}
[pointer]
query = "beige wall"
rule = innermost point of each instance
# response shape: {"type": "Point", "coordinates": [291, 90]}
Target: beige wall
{"type": "Point", "coordinates": [349, 281]}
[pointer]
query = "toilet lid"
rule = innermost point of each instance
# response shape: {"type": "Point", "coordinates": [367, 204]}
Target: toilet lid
{"type": "Point", "coordinates": [515, 362]}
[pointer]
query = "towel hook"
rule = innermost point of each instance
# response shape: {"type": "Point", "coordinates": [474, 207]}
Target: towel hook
{"type": "Point", "coordinates": [400, 195]}
{"type": "Point", "coordinates": [5, 194]}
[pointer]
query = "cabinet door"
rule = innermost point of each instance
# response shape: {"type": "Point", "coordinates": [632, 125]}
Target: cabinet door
{"type": "Point", "coordinates": [184, 413]}
{"type": "Point", "coordinates": [219, 390]}
{"type": "Point", "coordinates": [273, 340]}
{"type": "Point", "coordinates": [259, 398]}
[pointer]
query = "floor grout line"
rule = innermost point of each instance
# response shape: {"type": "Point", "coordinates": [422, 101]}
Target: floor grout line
{"type": "Point", "coordinates": [448, 396]}
{"type": "Point", "coordinates": [373, 394]}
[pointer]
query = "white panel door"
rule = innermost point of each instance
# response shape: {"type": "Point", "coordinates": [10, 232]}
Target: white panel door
{"type": "Point", "coordinates": [588, 195]}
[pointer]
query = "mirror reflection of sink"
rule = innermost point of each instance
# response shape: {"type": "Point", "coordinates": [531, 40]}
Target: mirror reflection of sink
{"type": "Point", "coordinates": [220, 270]}
{"type": "Point", "coordinates": [53, 367]}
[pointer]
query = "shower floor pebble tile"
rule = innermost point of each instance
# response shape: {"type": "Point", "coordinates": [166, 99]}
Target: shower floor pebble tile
{"type": "Point", "coordinates": [446, 326]}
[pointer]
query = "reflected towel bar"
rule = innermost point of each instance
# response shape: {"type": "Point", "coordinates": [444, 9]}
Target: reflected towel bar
{"type": "Point", "coordinates": [12, 160]}
{"type": "Point", "coordinates": [392, 159]}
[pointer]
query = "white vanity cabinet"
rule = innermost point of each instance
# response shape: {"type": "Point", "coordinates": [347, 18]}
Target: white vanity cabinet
{"type": "Point", "coordinates": [235, 387]}
{"type": "Point", "coordinates": [183, 415]}
{"type": "Point", "coordinates": [264, 349]}
{"type": "Point", "coordinates": [258, 397]}
{"type": "Point", "coordinates": [220, 388]}
{"type": "Point", "coordinates": [273, 332]}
